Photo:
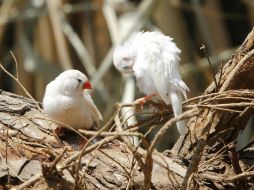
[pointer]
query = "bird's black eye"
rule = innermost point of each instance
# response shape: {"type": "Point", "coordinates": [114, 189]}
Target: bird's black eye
{"type": "Point", "coordinates": [79, 80]}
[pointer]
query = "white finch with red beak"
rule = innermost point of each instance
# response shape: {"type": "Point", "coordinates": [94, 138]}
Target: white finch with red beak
{"type": "Point", "coordinates": [154, 59]}
{"type": "Point", "coordinates": [67, 100]}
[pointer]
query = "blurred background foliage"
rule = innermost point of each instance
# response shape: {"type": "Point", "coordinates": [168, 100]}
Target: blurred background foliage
{"type": "Point", "coordinates": [48, 36]}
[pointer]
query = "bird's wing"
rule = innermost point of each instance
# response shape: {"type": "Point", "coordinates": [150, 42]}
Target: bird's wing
{"type": "Point", "coordinates": [161, 59]}
{"type": "Point", "coordinates": [96, 115]}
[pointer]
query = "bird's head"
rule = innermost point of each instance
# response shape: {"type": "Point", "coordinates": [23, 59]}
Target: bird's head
{"type": "Point", "coordinates": [124, 58]}
{"type": "Point", "coordinates": [73, 82]}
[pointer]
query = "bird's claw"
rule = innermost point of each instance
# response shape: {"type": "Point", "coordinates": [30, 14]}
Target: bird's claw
{"type": "Point", "coordinates": [139, 103]}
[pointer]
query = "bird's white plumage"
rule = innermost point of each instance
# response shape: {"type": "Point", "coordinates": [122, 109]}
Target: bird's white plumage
{"type": "Point", "coordinates": [66, 101]}
{"type": "Point", "coordinates": [154, 59]}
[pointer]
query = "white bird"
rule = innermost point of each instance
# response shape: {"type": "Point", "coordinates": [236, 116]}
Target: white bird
{"type": "Point", "coordinates": [67, 100]}
{"type": "Point", "coordinates": [154, 59]}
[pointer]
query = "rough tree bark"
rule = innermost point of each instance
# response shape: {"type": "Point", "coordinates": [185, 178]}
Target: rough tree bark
{"type": "Point", "coordinates": [213, 128]}
{"type": "Point", "coordinates": [33, 152]}
{"type": "Point", "coordinates": [34, 157]}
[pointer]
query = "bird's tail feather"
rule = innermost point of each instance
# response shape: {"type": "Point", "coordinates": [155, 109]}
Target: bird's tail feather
{"type": "Point", "coordinates": [176, 102]}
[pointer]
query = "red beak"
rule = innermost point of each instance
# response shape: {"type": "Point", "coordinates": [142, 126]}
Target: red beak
{"type": "Point", "coordinates": [87, 85]}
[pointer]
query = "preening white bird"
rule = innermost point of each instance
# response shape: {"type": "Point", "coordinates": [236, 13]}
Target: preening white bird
{"type": "Point", "coordinates": [68, 101]}
{"type": "Point", "coordinates": [154, 60]}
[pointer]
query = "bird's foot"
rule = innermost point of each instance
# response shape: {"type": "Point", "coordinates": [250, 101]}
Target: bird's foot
{"type": "Point", "coordinates": [139, 103]}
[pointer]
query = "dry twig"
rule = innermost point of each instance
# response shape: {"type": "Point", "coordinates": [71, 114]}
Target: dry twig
{"type": "Point", "coordinates": [16, 79]}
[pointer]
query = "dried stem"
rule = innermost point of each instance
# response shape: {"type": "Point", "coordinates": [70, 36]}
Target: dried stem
{"type": "Point", "coordinates": [20, 84]}
{"type": "Point", "coordinates": [29, 182]}
{"type": "Point", "coordinates": [208, 59]}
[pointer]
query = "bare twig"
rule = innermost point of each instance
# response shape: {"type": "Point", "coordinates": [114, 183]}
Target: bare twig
{"type": "Point", "coordinates": [189, 182]}
{"type": "Point", "coordinates": [21, 85]}
{"type": "Point", "coordinates": [234, 178]}
{"type": "Point", "coordinates": [212, 107]}
{"type": "Point", "coordinates": [117, 162]}
{"type": "Point", "coordinates": [235, 163]}
{"type": "Point", "coordinates": [126, 140]}
{"type": "Point", "coordinates": [243, 175]}
{"type": "Point", "coordinates": [82, 152]}
{"type": "Point", "coordinates": [219, 153]}
{"type": "Point", "coordinates": [16, 65]}
{"type": "Point", "coordinates": [52, 165]}
{"type": "Point", "coordinates": [62, 165]}
{"type": "Point", "coordinates": [221, 72]}
{"type": "Point", "coordinates": [162, 131]}
{"type": "Point", "coordinates": [29, 182]}
{"type": "Point", "coordinates": [169, 124]}
{"type": "Point", "coordinates": [208, 59]}
{"type": "Point", "coordinates": [105, 134]}
{"type": "Point", "coordinates": [132, 170]}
